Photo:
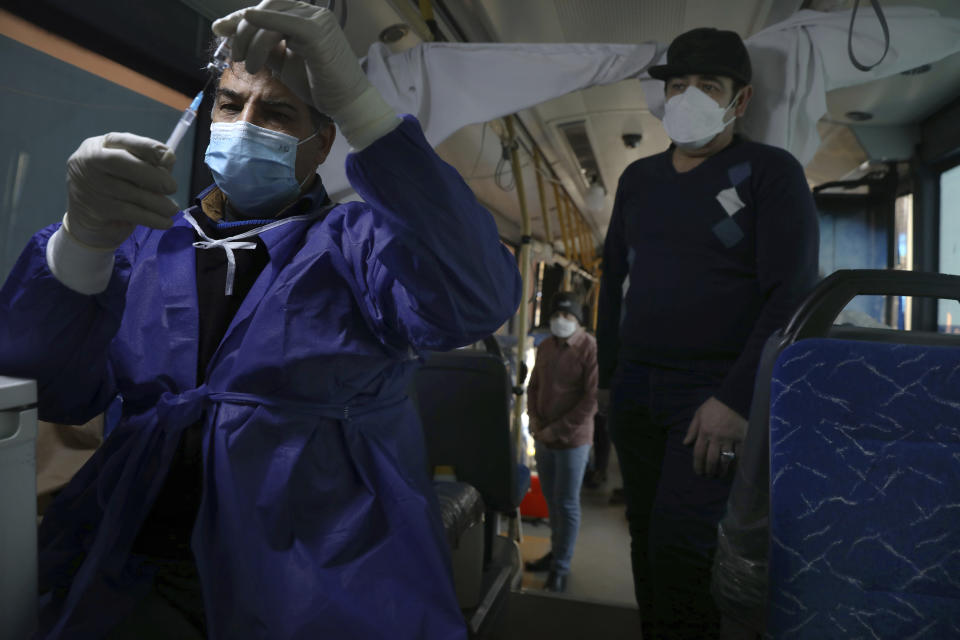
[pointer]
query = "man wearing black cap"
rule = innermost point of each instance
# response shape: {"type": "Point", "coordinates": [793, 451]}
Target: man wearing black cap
{"type": "Point", "coordinates": [562, 400]}
{"type": "Point", "coordinates": [717, 238]}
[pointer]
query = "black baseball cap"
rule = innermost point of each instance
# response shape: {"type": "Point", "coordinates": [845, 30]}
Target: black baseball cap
{"type": "Point", "coordinates": [569, 303]}
{"type": "Point", "coordinates": [706, 51]}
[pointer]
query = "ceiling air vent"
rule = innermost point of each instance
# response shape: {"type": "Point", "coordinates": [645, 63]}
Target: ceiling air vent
{"type": "Point", "coordinates": [575, 133]}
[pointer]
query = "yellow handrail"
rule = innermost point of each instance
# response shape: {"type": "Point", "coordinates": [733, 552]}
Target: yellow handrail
{"type": "Point", "coordinates": [591, 249]}
{"type": "Point", "coordinates": [521, 318]}
{"type": "Point", "coordinates": [574, 231]}
{"type": "Point", "coordinates": [568, 246]}
{"type": "Point", "coordinates": [567, 249]}
{"type": "Point", "coordinates": [426, 12]}
{"type": "Point", "coordinates": [581, 228]}
{"type": "Point", "coordinates": [543, 199]}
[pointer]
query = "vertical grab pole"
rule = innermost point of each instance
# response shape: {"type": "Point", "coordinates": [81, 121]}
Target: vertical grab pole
{"type": "Point", "coordinates": [588, 244]}
{"type": "Point", "coordinates": [574, 230]}
{"type": "Point", "coordinates": [563, 226]}
{"type": "Point", "coordinates": [591, 250]}
{"type": "Point", "coordinates": [522, 319]}
{"type": "Point", "coordinates": [543, 199]}
{"type": "Point", "coordinates": [582, 249]}
{"type": "Point", "coordinates": [571, 248]}
{"type": "Point", "coordinates": [596, 300]}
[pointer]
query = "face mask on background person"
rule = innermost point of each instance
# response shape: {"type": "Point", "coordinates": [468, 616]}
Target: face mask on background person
{"type": "Point", "coordinates": [692, 119]}
{"type": "Point", "coordinates": [254, 167]}
{"type": "Point", "coordinates": [561, 327]}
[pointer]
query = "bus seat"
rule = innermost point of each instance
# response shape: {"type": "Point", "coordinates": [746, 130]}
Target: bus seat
{"type": "Point", "coordinates": [865, 490]}
{"type": "Point", "coordinates": [463, 398]}
{"type": "Point", "coordinates": [842, 519]}
{"type": "Point", "coordinates": [461, 509]}
{"type": "Point", "coordinates": [464, 402]}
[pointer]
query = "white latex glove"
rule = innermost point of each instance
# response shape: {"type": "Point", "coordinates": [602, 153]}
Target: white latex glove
{"type": "Point", "coordinates": [318, 64]}
{"type": "Point", "coordinates": [114, 183]}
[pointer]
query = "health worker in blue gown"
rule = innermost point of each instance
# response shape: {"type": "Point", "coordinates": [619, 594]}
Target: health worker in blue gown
{"type": "Point", "coordinates": [268, 476]}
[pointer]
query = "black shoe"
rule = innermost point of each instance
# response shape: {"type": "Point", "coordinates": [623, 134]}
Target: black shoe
{"type": "Point", "coordinates": [555, 583]}
{"type": "Point", "coordinates": [595, 479]}
{"type": "Point", "coordinates": [543, 564]}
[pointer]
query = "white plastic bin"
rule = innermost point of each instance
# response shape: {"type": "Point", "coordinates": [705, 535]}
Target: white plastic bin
{"type": "Point", "coordinates": [18, 508]}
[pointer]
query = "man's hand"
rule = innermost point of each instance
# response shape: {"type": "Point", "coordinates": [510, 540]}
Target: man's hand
{"type": "Point", "coordinates": [715, 428]}
{"type": "Point", "coordinates": [114, 183]}
{"type": "Point", "coordinates": [603, 401]}
{"type": "Point", "coordinates": [540, 433]}
{"type": "Point", "coordinates": [317, 63]}
{"type": "Point", "coordinates": [534, 428]}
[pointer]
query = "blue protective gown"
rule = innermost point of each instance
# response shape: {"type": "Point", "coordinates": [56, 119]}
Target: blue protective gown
{"type": "Point", "coordinates": [317, 518]}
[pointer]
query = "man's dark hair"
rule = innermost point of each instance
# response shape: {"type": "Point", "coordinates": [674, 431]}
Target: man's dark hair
{"type": "Point", "coordinates": [319, 119]}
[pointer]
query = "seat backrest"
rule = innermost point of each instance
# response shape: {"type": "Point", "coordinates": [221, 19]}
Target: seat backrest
{"type": "Point", "coordinates": [742, 579]}
{"type": "Point", "coordinates": [464, 403]}
{"type": "Point", "coordinates": [865, 490]}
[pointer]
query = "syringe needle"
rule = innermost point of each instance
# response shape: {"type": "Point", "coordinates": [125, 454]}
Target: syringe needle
{"type": "Point", "coordinates": [219, 63]}
{"type": "Point", "coordinates": [183, 124]}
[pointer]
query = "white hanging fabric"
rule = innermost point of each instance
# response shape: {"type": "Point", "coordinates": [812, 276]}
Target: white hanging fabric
{"type": "Point", "coordinates": [450, 85]}
{"type": "Point", "coordinates": [795, 62]}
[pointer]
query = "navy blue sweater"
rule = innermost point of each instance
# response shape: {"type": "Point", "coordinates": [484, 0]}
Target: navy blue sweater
{"type": "Point", "coordinates": [705, 265]}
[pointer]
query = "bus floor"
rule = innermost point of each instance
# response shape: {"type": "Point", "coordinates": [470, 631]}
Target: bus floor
{"type": "Point", "coordinates": [600, 569]}
{"type": "Point", "coordinates": [598, 601]}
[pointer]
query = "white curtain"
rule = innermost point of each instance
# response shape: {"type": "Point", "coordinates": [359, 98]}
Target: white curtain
{"type": "Point", "coordinates": [448, 86]}
{"type": "Point", "coordinates": [795, 62]}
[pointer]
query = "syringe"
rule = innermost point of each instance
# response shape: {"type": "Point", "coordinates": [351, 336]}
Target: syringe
{"type": "Point", "coordinates": [221, 57]}
{"type": "Point", "coordinates": [220, 62]}
{"type": "Point", "coordinates": [183, 124]}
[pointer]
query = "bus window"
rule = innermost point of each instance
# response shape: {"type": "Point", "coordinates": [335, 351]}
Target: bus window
{"type": "Point", "coordinates": [901, 307]}
{"type": "Point", "coordinates": [948, 311]}
{"type": "Point", "coordinates": [854, 234]}
{"type": "Point", "coordinates": [55, 94]}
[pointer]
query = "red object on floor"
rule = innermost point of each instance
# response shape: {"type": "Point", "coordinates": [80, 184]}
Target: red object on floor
{"type": "Point", "coordinates": [534, 505]}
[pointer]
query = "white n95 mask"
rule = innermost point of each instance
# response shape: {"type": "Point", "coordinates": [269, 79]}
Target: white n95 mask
{"type": "Point", "coordinates": [562, 328]}
{"type": "Point", "coordinates": [692, 119]}
{"type": "Point", "coordinates": [253, 166]}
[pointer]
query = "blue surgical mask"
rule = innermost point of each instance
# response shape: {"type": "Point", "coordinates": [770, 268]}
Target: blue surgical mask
{"type": "Point", "coordinates": [254, 167]}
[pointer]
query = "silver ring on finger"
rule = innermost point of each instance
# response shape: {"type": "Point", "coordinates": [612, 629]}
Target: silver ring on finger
{"type": "Point", "coordinates": [728, 455]}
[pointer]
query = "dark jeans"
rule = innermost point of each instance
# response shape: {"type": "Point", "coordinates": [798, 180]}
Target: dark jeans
{"type": "Point", "coordinates": [673, 513]}
{"type": "Point", "coordinates": [601, 444]}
